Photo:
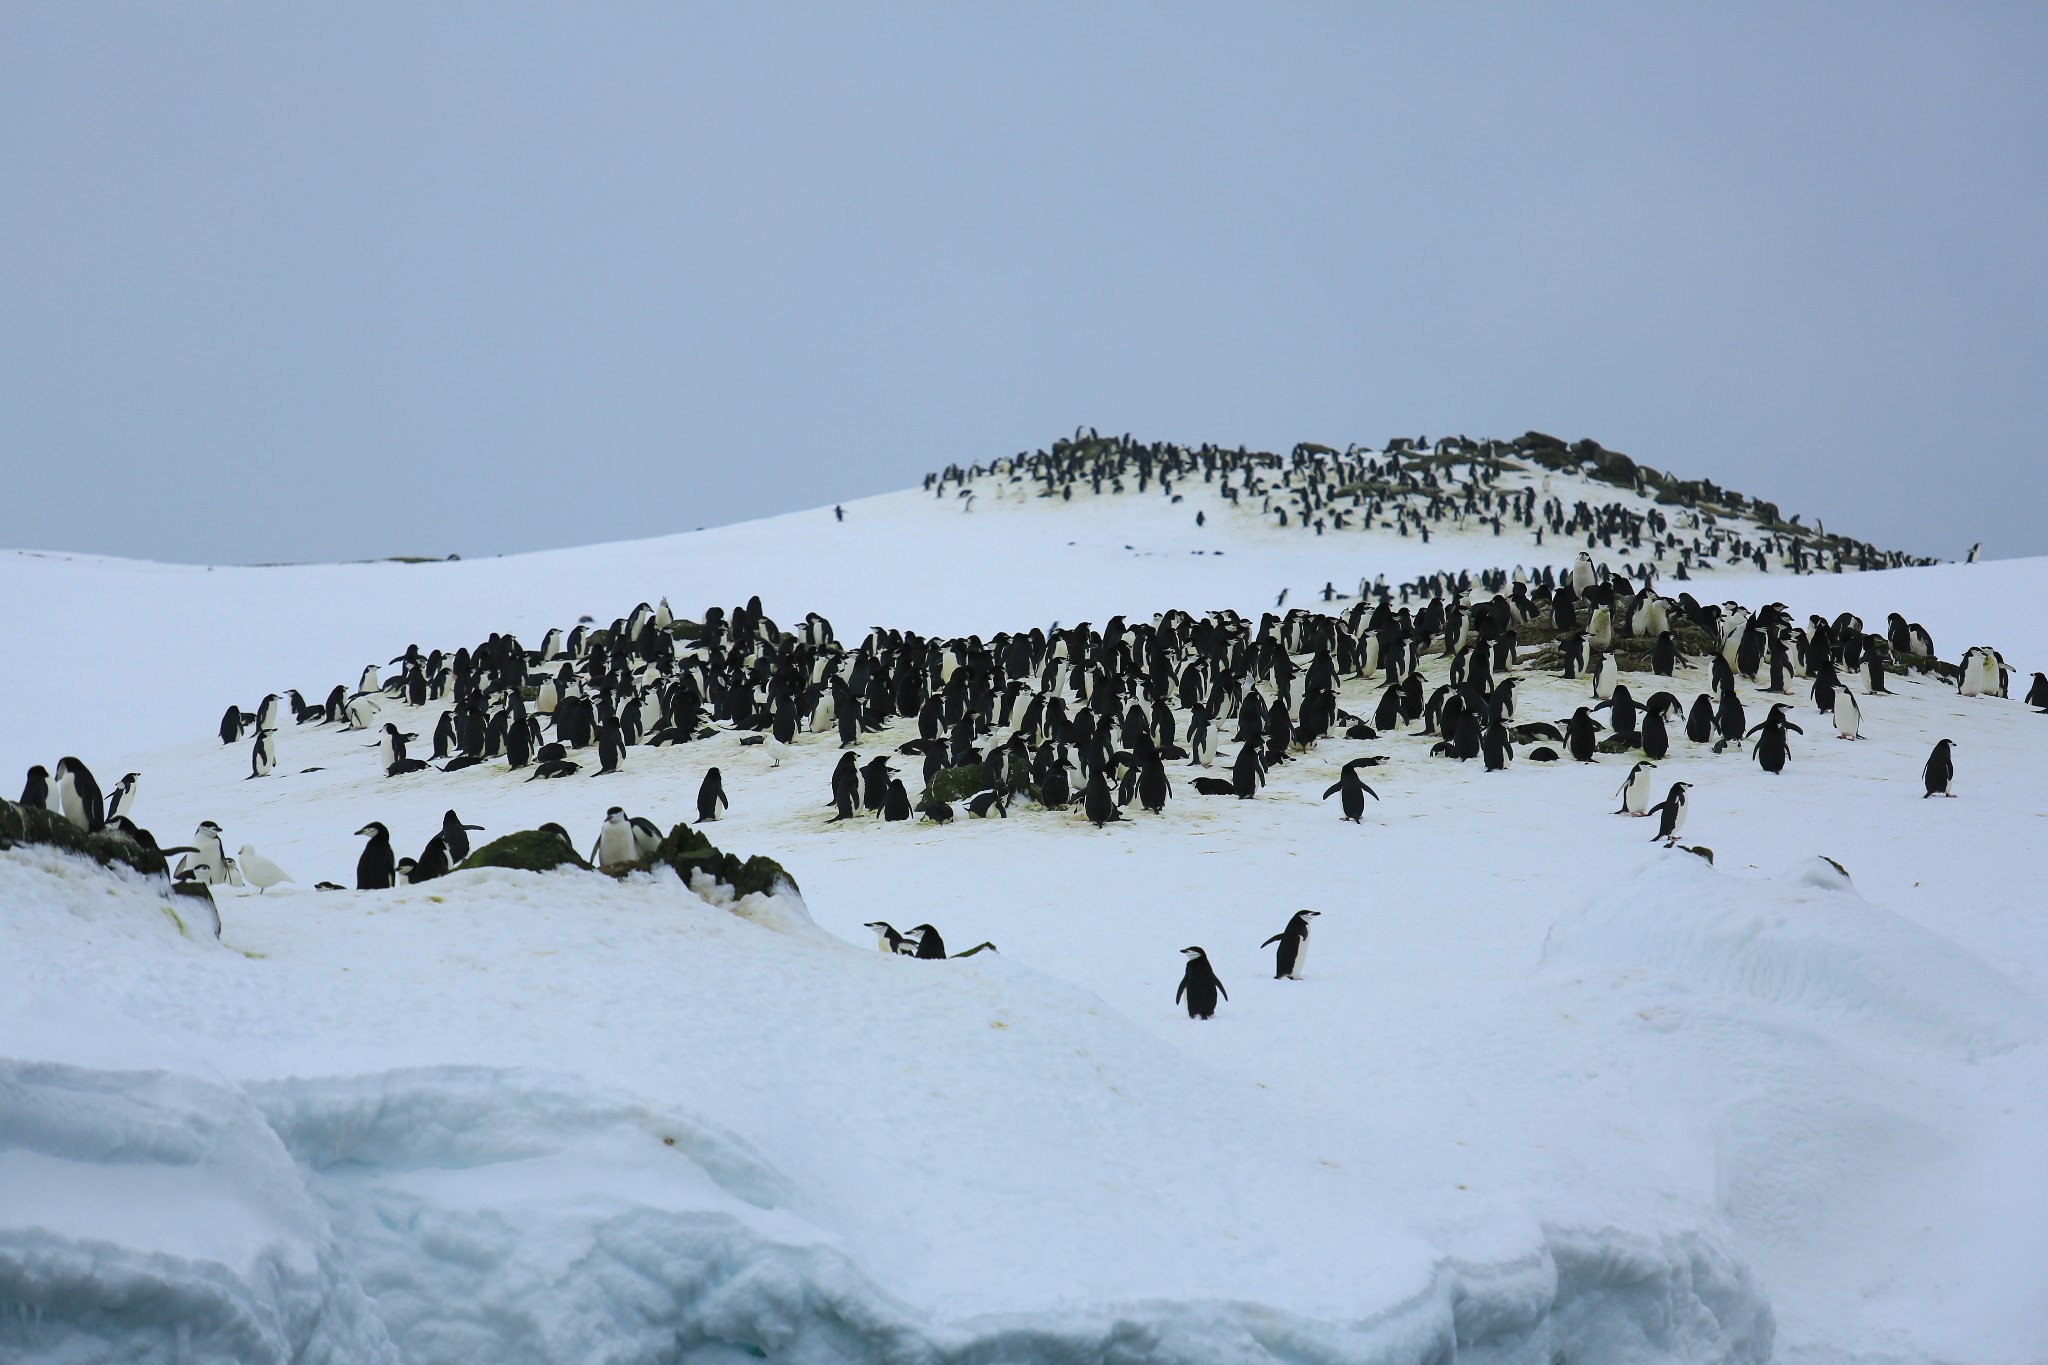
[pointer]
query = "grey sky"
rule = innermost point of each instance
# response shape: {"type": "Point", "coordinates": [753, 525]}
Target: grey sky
{"type": "Point", "coordinates": [297, 282]}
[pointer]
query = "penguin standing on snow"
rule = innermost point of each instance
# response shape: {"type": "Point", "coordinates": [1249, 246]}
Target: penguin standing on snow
{"type": "Point", "coordinates": [1635, 791]}
{"type": "Point", "coordinates": [845, 786]}
{"type": "Point", "coordinates": [1293, 941]}
{"type": "Point", "coordinates": [455, 836]}
{"type": "Point", "coordinates": [1353, 791]}
{"type": "Point", "coordinates": [376, 869]}
{"type": "Point", "coordinates": [710, 796]}
{"type": "Point", "coordinates": [1198, 984]}
{"type": "Point", "coordinates": [1581, 735]}
{"type": "Point", "coordinates": [1848, 714]}
{"type": "Point", "coordinates": [263, 757]}
{"type": "Point", "coordinates": [1097, 803]}
{"type": "Point", "coordinates": [1673, 818]}
{"type": "Point", "coordinates": [2037, 695]}
{"type": "Point", "coordinates": [1940, 770]}
{"type": "Point", "coordinates": [896, 805]}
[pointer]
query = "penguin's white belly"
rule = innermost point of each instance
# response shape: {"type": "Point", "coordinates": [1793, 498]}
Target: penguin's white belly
{"type": "Point", "coordinates": [1300, 958]}
{"type": "Point", "coordinates": [617, 845]}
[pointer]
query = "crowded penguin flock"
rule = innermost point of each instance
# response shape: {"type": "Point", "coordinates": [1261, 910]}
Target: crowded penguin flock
{"type": "Point", "coordinates": [1596, 649]}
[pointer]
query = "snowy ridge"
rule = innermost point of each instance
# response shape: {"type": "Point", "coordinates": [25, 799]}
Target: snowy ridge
{"type": "Point", "coordinates": [515, 1214]}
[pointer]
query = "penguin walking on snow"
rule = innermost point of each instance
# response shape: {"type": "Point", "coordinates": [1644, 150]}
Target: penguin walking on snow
{"type": "Point", "coordinates": [1635, 791]}
{"type": "Point", "coordinates": [1673, 819]}
{"type": "Point", "coordinates": [376, 869]}
{"type": "Point", "coordinates": [1940, 770]}
{"type": "Point", "coordinates": [1848, 714]}
{"type": "Point", "coordinates": [1352, 790]}
{"type": "Point", "coordinates": [710, 796]}
{"type": "Point", "coordinates": [1199, 986]}
{"type": "Point", "coordinates": [1293, 941]}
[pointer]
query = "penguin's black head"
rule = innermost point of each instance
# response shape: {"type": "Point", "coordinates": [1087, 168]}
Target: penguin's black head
{"type": "Point", "coordinates": [615, 813]}
{"type": "Point", "coordinates": [374, 830]}
{"type": "Point", "coordinates": [1192, 953]}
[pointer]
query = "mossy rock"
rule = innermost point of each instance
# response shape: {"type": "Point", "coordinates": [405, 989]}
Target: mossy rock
{"type": "Point", "coordinates": [26, 825]}
{"type": "Point", "coordinates": [1927, 663]}
{"type": "Point", "coordinates": [1616, 744]}
{"type": "Point", "coordinates": [528, 850]}
{"type": "Point", "coordinates": [953, 785]}
{"type": "Point", "coordinates": [687, 850]}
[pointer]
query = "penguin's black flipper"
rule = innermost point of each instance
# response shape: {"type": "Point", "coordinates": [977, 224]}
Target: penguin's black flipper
{"type": "Point", "coordinates": [1335, 787]}
{"type": "Point", "coordinates": [1273, 940]}
{"type": "Point", "coordinates": [1369, 791]}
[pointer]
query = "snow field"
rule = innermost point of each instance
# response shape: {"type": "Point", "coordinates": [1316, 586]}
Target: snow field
{"type": "Point", "coordinates": [1547, 1088]}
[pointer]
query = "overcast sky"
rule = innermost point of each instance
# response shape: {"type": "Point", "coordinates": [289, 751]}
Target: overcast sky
{"type": "Point", "coordinates": [319, 282]}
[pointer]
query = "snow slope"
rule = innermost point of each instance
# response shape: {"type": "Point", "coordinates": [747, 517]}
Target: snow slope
{"type": "Point", "coordinates": [1548, 1091]}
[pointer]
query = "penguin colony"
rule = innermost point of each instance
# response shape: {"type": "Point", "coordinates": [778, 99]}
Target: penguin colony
{"type": "Point", "coordinates": [1413, 487]}
{"type": "Point", "coordinates": [1089, 719]}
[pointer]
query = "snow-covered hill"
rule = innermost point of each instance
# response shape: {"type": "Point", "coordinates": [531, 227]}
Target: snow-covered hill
{"type": "Point", "coordinates": [1547, 1091]}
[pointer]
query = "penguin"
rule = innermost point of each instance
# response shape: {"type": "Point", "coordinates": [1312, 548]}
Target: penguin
{"type": "Point", "coordinates": [1097, 803]}
{"type": "Point", "coordinates": [2037, 695]}
{"type": "Point", "coordinates": [80, 796]}
{"type": "Point", "coordinates": [896, 805]}
{"type": "Point", "coordinates": [263, 756]}
{"type": "Point", "coordinates": [1673, 817]}
{"type": "Point", "coordinates": [1848, 714]}
{"type": "Point", "coordinates": [845, 786]}
{"type": "Point", "coordinates": [1605, 677]}
{"type": "Point", "coordinates": [710, 796]}
{"type": "Point", "coordinates": [455, 835]}
{"type": "Point", "coordinates": [1293, 941]}
{"type": "Point", "coordinates": [1247, 772]}
{"type": "Point", "coordinates": [1940, 770]}
{"type": "Point", "coordinates": [432, 862]}
{"type": "Point", "coordinates": [1198, 984]}
{"type": "Point", "coordinates": [646, 836]}
{"type": "Point", "coordinates": [929, 945]}
{"type": "Point", "coordinates": [259, 870]}
{"type": "Point", "coordinates": [207, 863]}
{"type": "Point", "coordinates": [551, 768]}
{"type": "Point", "coordinates": [615, 846]}
{"type": "Point", "coordinates": [979, 804]}
{"type": "Point", "coordinates": [1495, 747]}
{"type": "Point", "coordinates": [1772, 750]}
{"type": "Point", "coordinates": [36, 791]}
{"type": "Point", "coordinates": [1635, 791]}
{"type": "Point", "coordinates": [375, 869]}
{"type": "Point", "coordinates": [1352, 790]}
{"type": "Point", "coordinates": [230, 725]}
{"type": "Point", "coordinates": [1699, 721]}
{"type": "Point", "coordinates": [1581, 735]}
{"type": "Point", "coordinates": [121, 802]}
{"type": "Point", "coordinates": [889, 941]}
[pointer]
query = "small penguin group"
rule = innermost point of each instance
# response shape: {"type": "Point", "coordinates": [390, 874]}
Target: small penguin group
{"type": "Point", "coordinates": [920, 941]}
{"type": "Point", "coordinates": [379, 869]}
{"type": "Point", "coordinates": [1200, 988]}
